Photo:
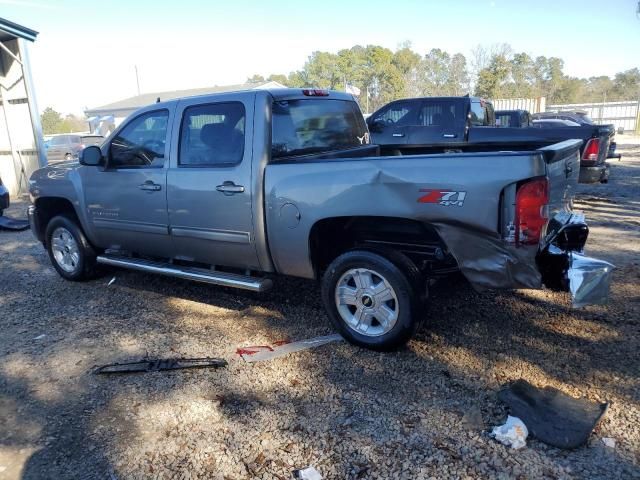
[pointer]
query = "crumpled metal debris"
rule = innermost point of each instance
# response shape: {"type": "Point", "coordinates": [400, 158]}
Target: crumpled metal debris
{"type": "Point", "coordinates": [309, 473]}
{"type": "Point", "coordinates": [513, 433]}
{"type": "Point", "coordinates": [162, 364]}
{"type": "Point", "coordinates": [259, 353]}
{"type": "Point", "coordinates": [589, 280]}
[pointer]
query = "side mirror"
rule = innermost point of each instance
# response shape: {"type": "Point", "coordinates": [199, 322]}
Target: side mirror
{"type": "Point", "coordinates": [376, 126]}
{"type": "Point", "coordinates": [92, 156]}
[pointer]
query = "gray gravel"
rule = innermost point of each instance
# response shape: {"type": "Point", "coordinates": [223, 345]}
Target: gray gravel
{"type": "Point", "coordinates": [422, 412]}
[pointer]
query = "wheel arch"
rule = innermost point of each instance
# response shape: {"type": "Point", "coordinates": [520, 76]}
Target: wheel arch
{"type": "Point", "coordinates": [333, 236]}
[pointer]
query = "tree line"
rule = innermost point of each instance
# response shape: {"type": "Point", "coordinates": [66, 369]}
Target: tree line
{"type": "Point", "coordinates": [383, 75]}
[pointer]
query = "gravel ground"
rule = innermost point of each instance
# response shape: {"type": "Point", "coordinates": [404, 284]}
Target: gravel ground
{"type": "Point", "coordinates": [422, 412]}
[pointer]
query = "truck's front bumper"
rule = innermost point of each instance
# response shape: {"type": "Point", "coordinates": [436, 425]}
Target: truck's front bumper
{"type": "Point", "coordinates": [595, 174]}
{"type": "Point", "coordinates": [32, 214]}
{"type": "Point", "coordinates": [564, 267]}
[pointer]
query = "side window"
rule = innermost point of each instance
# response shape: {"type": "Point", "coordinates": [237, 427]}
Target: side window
{"type": "Point", "coordinates": [477, 115]}
{"type": "Point", "coordinates": [212, 135]}
{"type": "Point", "coordinates": [398, 114]}
{"type": "Point", "coordinates": [438, 114]}
{"type": "Point", "coordinates": [141, 142]}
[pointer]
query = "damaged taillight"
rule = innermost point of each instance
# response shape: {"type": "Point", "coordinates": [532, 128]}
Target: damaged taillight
{"type": "Point", "coordinates": [591, 151]}
{"type": "Point", "coordinates": [531, 216]}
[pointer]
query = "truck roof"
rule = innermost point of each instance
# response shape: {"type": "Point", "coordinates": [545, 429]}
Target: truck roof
{"type": "Point", "coordinates": [276, 93]}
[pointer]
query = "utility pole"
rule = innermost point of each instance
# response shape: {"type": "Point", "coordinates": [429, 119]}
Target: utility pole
{"type": "Point", "coordinates": [137, 79]}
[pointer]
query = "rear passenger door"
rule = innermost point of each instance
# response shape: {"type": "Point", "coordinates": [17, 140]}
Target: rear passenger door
{"type": "Point", "coordinates": [209, 186]}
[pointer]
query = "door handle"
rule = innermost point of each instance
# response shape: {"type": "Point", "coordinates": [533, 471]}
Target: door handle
{"type": "Point", "coordinates": [230, 188]}
{"type": "Point", "coordinates": [149, 186]}
{"type": "Point", "coordinates": [398, 134]}
{"type": "Point", "coordinates": [449, 135]}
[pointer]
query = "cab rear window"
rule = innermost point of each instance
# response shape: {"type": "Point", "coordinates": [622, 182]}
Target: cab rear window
{"type": "Point", "coordinates": [304, 127]}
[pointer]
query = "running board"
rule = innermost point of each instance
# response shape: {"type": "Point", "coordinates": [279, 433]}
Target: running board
{"type": "Point", "coordinates": [224, 279]}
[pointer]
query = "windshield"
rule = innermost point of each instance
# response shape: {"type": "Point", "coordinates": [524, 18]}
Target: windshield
{"type": "Point", "coordinates": [302, 127]}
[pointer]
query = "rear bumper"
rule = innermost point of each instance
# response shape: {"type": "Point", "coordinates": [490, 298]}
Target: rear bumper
{"type": "Point", "coordinates": [4, 198]}
{"type": "Point", "coordinates": [595, 174]}
{"type": "Point", "coordinates": [564, 267]}
{"type": "Point", "coordinates": [32, 214]}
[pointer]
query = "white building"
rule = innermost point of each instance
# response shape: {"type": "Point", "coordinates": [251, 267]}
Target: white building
{"type": "Point", "coordinates": [105, 118]}
{"type": "Point", "coordinates": [21, 145]}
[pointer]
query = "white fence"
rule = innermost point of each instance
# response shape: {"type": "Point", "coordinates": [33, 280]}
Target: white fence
{"type": "Point", "coordinates": [533, 105]}
{"type": "Point", "coordinates": [621, 114]}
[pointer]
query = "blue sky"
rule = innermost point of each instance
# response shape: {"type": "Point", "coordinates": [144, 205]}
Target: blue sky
{"type": "Point", "coordinates": [86, 51]}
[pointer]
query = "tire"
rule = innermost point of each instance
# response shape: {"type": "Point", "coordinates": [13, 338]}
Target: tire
{"type": "Point", "coordinates": [372, 299]}
{"type": "Point", "coordinates": [70, 252]}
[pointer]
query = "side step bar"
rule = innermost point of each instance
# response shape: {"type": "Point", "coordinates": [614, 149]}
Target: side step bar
{"type": "Point", "coordinates": [224, 279]}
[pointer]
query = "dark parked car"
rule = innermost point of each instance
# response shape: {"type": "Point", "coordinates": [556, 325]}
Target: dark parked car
{"type": "Point", "coordinates": [553, 122]}
{"type": "Point", "coordinates": [513, 118]}
{"type": "Point", "coordinates": [578, 116]}
{"type": "Point", "coordinates": [467, 124]}
{"type": "Point", "coordinates": [4, 197]}
{"type": "Point", "coordinates": [68, 147]}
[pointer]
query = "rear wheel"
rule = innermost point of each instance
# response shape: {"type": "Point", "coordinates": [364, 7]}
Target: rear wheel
{"type": "Point", "coordinates": [69, 250]}
{"type": "Point", "coordinates": [371, 300]}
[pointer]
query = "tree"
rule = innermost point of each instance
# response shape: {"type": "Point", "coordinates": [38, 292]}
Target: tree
{"type": "Point", "coordinates": [282, 79]}
{"type": "Point", "coordinates": [51, 121]}
{"type": "Point", "coordinates": [256, 78]}
{"type": "Point", "coordinates": [626, 85]}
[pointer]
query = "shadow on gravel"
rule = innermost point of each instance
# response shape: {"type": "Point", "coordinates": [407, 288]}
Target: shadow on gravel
{"type": "Point", "coordinates": [334, 406]}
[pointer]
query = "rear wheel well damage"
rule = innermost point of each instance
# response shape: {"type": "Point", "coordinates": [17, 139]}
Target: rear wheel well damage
{"type": "Point", "coordinates": [50, 207]}
{"type": "Point", "coordinates": [418, 241]}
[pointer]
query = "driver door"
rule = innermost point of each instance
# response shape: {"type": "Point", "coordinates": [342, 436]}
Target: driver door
{"type": "Point", "coordinates": [389, 127]}
{"type": "Point", "coordinates": [126, 201]}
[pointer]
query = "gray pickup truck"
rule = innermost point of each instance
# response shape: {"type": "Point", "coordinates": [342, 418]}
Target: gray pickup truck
{"type": "Point", "coordinates": [231, 189]}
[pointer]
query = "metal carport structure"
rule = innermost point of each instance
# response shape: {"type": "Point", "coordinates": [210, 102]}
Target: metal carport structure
{"type": "Point", "coordinates": [21, 143]}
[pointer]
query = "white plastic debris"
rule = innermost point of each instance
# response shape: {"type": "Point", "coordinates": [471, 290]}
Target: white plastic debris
{"type": "Point", "coordinates": [40, 337]}
{"type": "Point", "coordinates": [308, 473]}
{"type": "Point", "coordinates": [609, 442]}
{"type": "Point", "coordinates": [260, 353]}
{"type": "Point", "coordinates": [111, 281]}
{"type": "Point", "coordinates": [512, 434]}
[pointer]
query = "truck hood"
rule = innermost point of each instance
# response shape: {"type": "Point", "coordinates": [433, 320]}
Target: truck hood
{"type": "Point", "coordinates": [53, 177]}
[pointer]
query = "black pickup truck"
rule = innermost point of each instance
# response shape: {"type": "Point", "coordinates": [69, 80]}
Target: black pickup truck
{"type": "Point", "coordinates": [468, 124]}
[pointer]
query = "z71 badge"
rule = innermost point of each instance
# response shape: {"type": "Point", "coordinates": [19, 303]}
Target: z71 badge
{"type": "Point", "coordinates": [442, 197]}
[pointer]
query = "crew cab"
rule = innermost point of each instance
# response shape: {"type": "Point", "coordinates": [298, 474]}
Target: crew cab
{"type": "Point", "coordinates": [231, 189]}
{"type": "Point", "coordinates": [467, 124]}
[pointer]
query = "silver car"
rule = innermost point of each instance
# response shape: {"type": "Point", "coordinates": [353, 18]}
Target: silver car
{"type": "Point", "coordinates": [68, 147]}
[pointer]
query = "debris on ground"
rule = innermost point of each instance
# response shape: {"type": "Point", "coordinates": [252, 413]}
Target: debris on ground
{"type": "Point", "coordinates": [551, 416]}
{"type": "Point", "coordinates": [260, 353]}
{"type": "Point", "coordinates": [308, 473]}
{"type": "Point", "coordinates": [13, 224]}
{"type": "Point", "coordinates": [112, 281]}
{"type": "Point", "coordinates": [609, 442]}
{"type": "Point", "coordinates": [40, 337]}
{"type": "Point", "coordinates": [512, 434]}
{"type": "Point", "coordinates": [162, 364]}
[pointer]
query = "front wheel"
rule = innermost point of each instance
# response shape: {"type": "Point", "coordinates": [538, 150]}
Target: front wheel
{"type": "Point", "coordinates": [371, 300]}
{"type": "Point", "coordinates": [69, 250]}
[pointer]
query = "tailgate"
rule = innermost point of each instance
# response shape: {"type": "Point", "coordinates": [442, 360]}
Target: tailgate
{"type": "Point", "coordinates": [563, 169]}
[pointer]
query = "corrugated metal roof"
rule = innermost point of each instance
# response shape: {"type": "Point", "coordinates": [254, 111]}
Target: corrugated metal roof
{"type": "Point", "coordinates": [133, 103]}
{"type": "Point", "coordinates": [11, 31]}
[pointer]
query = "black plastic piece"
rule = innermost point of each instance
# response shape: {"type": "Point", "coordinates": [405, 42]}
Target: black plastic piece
{"type": "Point", "coordinates": [162, 364]}
{"type": "Point", "coordinates": [551, 416]}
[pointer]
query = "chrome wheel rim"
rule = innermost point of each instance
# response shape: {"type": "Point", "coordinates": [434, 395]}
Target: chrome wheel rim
{"type": "Point", "coordinates": [367, 302]}
{"type": "Point", "coordinates": [65, 250]}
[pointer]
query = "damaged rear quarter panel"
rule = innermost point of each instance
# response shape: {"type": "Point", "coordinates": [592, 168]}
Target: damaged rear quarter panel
{"type": "Point", "coordinates": [391, 187]}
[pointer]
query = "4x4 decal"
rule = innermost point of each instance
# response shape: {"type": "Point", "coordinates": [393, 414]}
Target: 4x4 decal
{"type": "Point", "coordinates": [442, 197]}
